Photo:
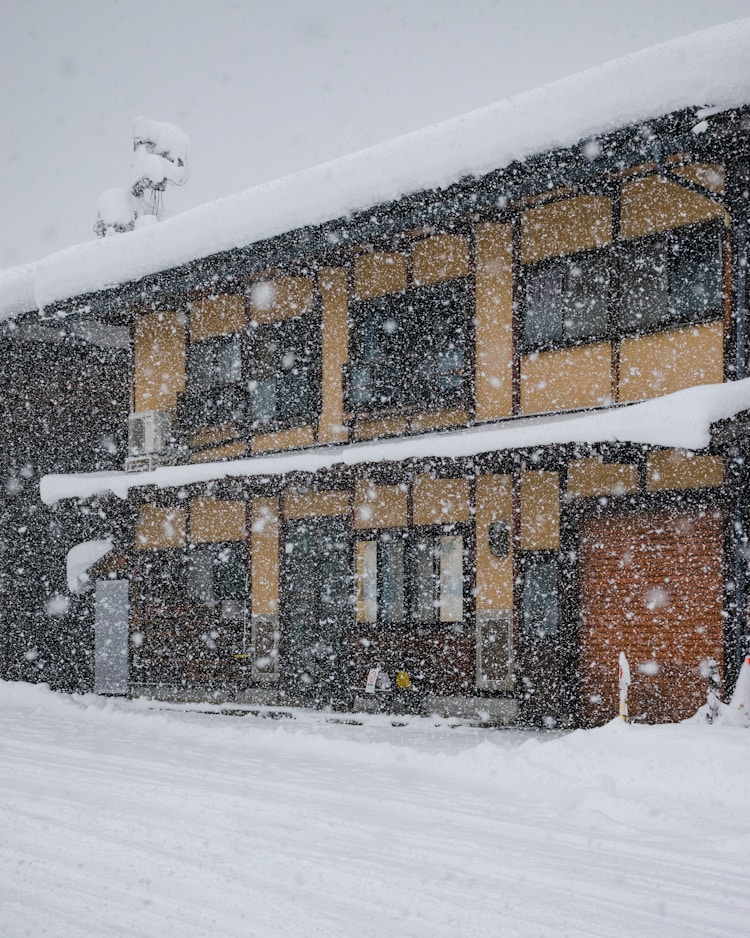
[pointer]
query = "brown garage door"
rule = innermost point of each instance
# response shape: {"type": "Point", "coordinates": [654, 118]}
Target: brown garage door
{"type": "Point", "coordinates": [651, 586]}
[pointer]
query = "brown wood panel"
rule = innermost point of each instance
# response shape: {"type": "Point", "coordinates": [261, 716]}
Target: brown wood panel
{"type": "Point", "coordinates": [664, 362]}
{"type": "Point", "coordinates": [565, 227]}
{"type": "Point", "coordinates": [494, 321]}
{"type": "Point", "coordinates": [655, 204]}
{"type": "Point", "coordinates": [440, 501]}
{"type": "Point", "coordinates": [315, 504]}
{"type": "Point", "coordinates": [378, 274]}
{"type": "Point", "coordinates": [213, 520]}
{"type": "Point", "coordinates": [540, 510]}
{"type": "Point", "coordinates": [159, 527]}
{"type": "Point", "coordinates": [589, 477]}
{"type": "Point", "coordinates": [216, 435]}
{"type": "Point", "coordinates": [651, 586]}
{"type": "Point", "coordinates": [295, 438]}
{"type": "Point", "coordinates": [565, 379]}
{"type": "Point", "coordinates": [281, 298]}
{"type": "Point", "coordinates": [217, 315]}
{"type": "Point", "coordinates": [264, 553]}
{"type": "Point", "coordinates": [676, 469]}
{"type": "Point", "coordinates": [380, 506]}
{"type": "Point", "coordinates": [711, 176]}
{"type": "Point", "coordinates": [334, 293]}
{"type": "Point", "coordinates": [441, 257]}
{"type": "Point", "coordinates": [494, 574]}
{"type": "Point", "coordinates": [159, 361]}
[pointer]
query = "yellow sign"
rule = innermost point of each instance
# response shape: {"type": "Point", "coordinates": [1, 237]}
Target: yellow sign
{"type": "Point", "coordinates": [403, 681]}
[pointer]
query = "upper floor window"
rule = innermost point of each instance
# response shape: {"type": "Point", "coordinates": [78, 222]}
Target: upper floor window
{"type": "Point", "coordinates": [671, 278]}
{"type": "Point", "coordinates": [283, 370]}
{"type": "Point", "coordinates": [566, 300]}
{"type": "Point", "coordinates": [410, 350]}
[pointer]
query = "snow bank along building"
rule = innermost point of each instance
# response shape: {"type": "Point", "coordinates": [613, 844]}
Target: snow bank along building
{"type": "Point", "coordinates": [471, 406]}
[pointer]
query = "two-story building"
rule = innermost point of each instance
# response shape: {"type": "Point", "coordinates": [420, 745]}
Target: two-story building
{"type": "Point", "coordinates": [468, 407]}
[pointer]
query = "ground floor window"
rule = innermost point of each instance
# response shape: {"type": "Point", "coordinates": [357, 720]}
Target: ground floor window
{"type": "Point", "coordinates": [411, 575]}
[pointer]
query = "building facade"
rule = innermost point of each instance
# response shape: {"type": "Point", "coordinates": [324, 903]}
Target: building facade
{"type": "Point", "coordinates": [382, 441]}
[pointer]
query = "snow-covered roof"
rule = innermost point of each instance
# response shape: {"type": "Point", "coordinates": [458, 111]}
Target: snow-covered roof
{"type": "Point", "coordinates": [707, 68]}
{"type": "Point", "coordinates": [660, 422]}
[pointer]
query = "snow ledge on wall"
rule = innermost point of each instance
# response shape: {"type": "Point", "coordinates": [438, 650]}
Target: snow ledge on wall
{"type": "Point", "coordinates": [660, 422]}
{"type": "Point", "coordinates": [706, 68]}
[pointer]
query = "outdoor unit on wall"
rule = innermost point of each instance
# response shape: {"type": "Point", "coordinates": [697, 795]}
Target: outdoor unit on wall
{"type": "Point", "coordinates": [149, 438]}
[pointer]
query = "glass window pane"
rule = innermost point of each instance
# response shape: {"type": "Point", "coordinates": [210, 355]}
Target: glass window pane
{"type": "Point", "coordinates": [263, 400]}
{"type": "Point", "coordinates": [229, 573]}
{"type": "Point", "coordinates": [366, 555]}
{"type": "Point", "coordinates": [451, 579]}
{"type": "Point", "coordinates": [645, 285]}
{"type": "Point", "coordinates": [586, 297]}
{"type": "Point", "coordinates": [425, 577]}
{"type": "Point", "coordinates": [697, 274]}
{"type": "Point", "coordinates": [391, 553]}
{"type": "Point", "coordinates": [540, 599]}
{"type": "Point", "coordinates": [544, 304]}
{"type": "Point", "coordinates": [200, 575]}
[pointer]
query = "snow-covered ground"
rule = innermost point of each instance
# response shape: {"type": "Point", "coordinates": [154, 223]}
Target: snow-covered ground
{"type": "Point", "coordinates": [116, 819]}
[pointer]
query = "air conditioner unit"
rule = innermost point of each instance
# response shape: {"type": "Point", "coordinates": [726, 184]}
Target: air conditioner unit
{"type": "Point", "coordinates": [149, 432]}
{"type": "Point", "coordinates": [145, 463]}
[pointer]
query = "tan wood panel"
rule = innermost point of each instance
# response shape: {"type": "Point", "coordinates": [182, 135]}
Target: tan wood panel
{"type": "Point", "coordinates": [494, 321]}
{"type": "Point", "coordinates": [441, 257]}
{"type": "Point", "coordinates": [216, 435]}
{"type": "Point", "coordinates": [159, 361]}
{"type": "Point", "coordinates": [295, 438]}
{"type": "Point", "coordinates": [440, 501]}
{"type": "Point", "coordinates": [159, 528]}
{"type": "Point", "coordinates": [589, 477]}
{"type": "Point", "coordinates": [264, 552]}
{"type": "Point", "coordinates": [380, 506]}
{"type": "Point", "coordinates": [711, 176]}
{"type": "Point", "coordinates": [676, 469]}
{"type": "Point", "coordinates": [494, 574]}
{"type": "Point", "coordinates": [439, 419]}
{"type": "Point", "coordinates": [216, 453]}
{"type": "Point", "coordinates": [214, 520]}
{"type": "Point", "coordinates": [379, 274]}
{"type": "Point", "coordinates": [565, 227]}
{"type": "Point", "coordinates": [315, 504]}
{"type": "Point", "coordinates": [223, 314]}
{"type": "Point", "coordinates": [540, 510]}
{"type": "Point", "coordinates": [664, 362]}
{"type": "Point", "coordinates": [565, 379]}
{"type": "Point", "coordinates": [334, 293]}
{"type": "Point", "coordinates": [369, 429]}
{"type": "Point", "coordinates": [281, 298]}
{"type": "Point", "coordinates": [655, 204]}
{"type": "Point", "coordinates": [652, 586]}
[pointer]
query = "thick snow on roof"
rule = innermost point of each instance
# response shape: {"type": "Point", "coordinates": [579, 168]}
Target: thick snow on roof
{"type": "Point", "coordinates": [706, 68]}
{"type": "Point", "coordinates": [680, 420]}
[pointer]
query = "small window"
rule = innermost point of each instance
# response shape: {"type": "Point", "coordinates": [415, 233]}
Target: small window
{"type": "Point", "coordinates": [566, 300]}
{"type": "Point", "coordinates": [216, 573]}
{"type": "Point", "coordinates": [675, 277]}
{"type": "Point", "coordinates": [540, 606]}
{"type": "Point", "coordinates": [215, 363]}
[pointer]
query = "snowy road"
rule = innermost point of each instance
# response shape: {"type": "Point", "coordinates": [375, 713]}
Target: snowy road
{"type": "Point", "coordinates": [116, 820]}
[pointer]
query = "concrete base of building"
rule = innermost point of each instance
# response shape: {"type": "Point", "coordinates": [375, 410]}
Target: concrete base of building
{"type": "Point", "coordinates": [493, 711]}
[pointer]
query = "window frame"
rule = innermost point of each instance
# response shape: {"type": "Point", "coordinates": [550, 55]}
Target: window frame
{"type": "Point", "coordinates": [408, 385]}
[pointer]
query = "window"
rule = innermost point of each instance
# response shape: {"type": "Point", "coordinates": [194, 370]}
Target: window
{"type": "Point", "coordinates": [566, 300]}
{"type": "Point", "coordinates": [217, 574]}
{"type": "Point", "coordinates": [410, 349]}
{"type": "Point", "coordinates": [540, 605]}
{"type": "Point", "coordinates": [675, 277]}
{"type": "Point", "coordinates": [283, 372]}
{"type": "Point", "coordinates": [214, 383]}
{"type": "Point", "coordinates": [413, 575]}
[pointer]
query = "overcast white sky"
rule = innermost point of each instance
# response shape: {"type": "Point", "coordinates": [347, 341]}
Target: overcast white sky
{"type": "Point", "coordinates": [267, 87]}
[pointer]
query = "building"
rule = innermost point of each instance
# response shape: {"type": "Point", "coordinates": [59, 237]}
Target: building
{"type": "Point", "coordinates": [470, 407]}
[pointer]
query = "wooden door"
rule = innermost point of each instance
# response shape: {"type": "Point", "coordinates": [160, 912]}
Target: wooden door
{"type": "Point", "coordinates": [651, 586]}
